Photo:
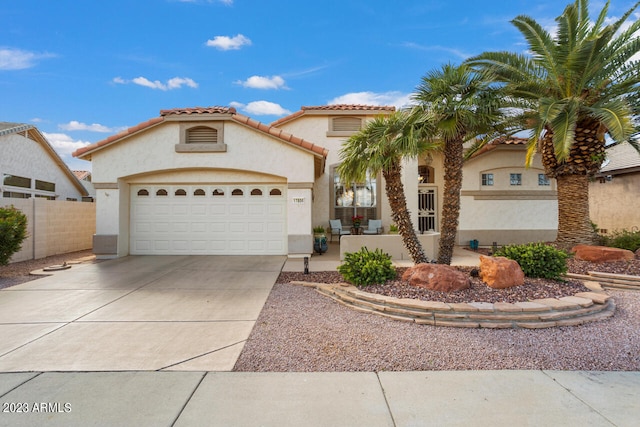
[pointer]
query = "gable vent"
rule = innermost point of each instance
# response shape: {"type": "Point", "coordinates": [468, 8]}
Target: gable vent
{"type": "Point", "coordinates": [347, 124]}
{"type": "Point", "coordinates": [202, 135]}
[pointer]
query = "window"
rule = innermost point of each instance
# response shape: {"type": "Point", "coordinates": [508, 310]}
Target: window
{"type": "Point", "coordinates": [425, 174]}
{"type": "Point", "coordinates": [354, 199]}
{"type": "Point", "coordinates": [256, 192]}
{"type": "Point", "coordinates": [199, 192]}
{"type": "Point", "coordinates": [515, 179]}
{"type": "Point", "coordinates": [487, 179]}
{"type": "Point", "coordinates": [237, 192]}
{"type": "Point", "coordinates": [180, 192]}
{"type": "Point", "coordinates": [202, 135]}
{"type": "Point", "coordinates": [16, 181]}
{"type": "Point", "coordinates": [218, 192]}
{"type": "Point", "coordinates": [543, 179]}
{"type": "Point", "coordinates": [45, 186]}
{"type": "Point", "coordinates": [14, 195]}
{"type": "Point", "coordinates": [143, 192]}
{"type": "Point", "coordinates": [275, 192]}
{"type": "Point", "coordinates": [161, 192]}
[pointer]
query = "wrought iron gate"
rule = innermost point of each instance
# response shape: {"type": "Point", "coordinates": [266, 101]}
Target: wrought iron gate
{"type": "Point", "coordinates": [427, 209]}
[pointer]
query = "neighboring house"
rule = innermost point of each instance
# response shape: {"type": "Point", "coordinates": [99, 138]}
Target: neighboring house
{"type": "Point", "coordinates": [30, 167]}
{"type": "Point", "coordinates": [85, 179]}
{"type": "Point", "coordinates": [614, 194]}
{"type": "Point", "coordinates": [211, 181]}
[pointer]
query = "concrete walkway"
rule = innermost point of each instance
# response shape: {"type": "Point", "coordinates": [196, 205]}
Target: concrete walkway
{"type": "Point", "coordinates": [440, 398]}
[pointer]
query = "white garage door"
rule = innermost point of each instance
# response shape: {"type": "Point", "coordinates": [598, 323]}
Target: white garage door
{"type": "Point", "coordinates": [208, 219]}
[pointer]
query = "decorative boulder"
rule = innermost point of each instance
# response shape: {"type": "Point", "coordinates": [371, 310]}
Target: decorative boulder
{"type": "Point", "coordinates": [500, 272]}
{"type": "Point", "coordinates": [638, 253]}
{"type": "Point", "coordinates": [437, 277]}
{"type": "Point", "coordinates": [601, 253]}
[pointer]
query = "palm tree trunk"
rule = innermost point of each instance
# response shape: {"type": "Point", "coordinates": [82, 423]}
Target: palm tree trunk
{"type": "Point", "coordinates": [453, 158]}
{"type": "Point", "coordinates": [574, 225]}
{"type": "Point", "coordinates": [401, 215]}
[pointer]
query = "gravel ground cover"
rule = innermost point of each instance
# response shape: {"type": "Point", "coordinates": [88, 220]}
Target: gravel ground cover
{"type": "Point", "coordinates": [301, 330]}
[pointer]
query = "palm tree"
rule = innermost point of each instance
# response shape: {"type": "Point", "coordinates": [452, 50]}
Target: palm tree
{"type": "Point", "coordinates": [380, 147]}
{"type": "Point", "coordinates": [575, 87]}
{"type": "Point", "coordinates": [460, 106]}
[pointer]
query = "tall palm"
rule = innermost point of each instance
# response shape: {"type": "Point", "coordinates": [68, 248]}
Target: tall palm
{"type": "Point", "coordinates": [460, 106]}
{"type": "Point", "coordinates": [381, 146]}
{"type": "Point", "coordinates": [575, 86]}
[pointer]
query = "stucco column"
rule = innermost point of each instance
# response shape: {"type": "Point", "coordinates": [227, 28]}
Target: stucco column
{"type": "Point", "coordinates": [299, 220]}
{"type": "Point", "coordinates": [105, 241]}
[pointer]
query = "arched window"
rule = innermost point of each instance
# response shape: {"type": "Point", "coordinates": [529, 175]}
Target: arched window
{"type": "Point", "coordinates": [143, 192]}
{"type": "Point", "coordinates": [199, 192]}
{"type": "Point", "coordinates": [218, 192]}
{"type": "Point", "coordinates": [256, 192]}
{"type": "Point", "coordinates": [237, 192]}
{"type": "Point", "coordinates": [275, 192]}
{"type": "Point", "coordinates": [161, 192]}
{"type": "Point", "coordinates": [180, 192]}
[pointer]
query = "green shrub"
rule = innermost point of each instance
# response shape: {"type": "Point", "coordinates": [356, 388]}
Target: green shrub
{"type": "Point", "coordinates": [624, 239]}
{"type": "Point", "coordinates": [364, 267]}
{"type": "Point", "coordinates": [13, 231]}
{"type": "Point", "coordinates": [537, 259]}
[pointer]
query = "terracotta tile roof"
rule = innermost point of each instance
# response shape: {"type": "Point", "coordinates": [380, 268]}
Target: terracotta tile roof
{"type": "Point", "coordinates": [113, 138]}
{"type": "Point", "coordinates": [350, 107]}
{"type": "Point", "coordinates": [279, 133]}
{"type": "Point", "coordinates": [503, 140]}
{"type": "Point", "coordinates": [81, 174]}
{"type": "Point", "coordinates": [198, 110]}
{"type": "Point", "coordinates": [330, 108]}
{"type": "Point", "coordinates": [270, 130]}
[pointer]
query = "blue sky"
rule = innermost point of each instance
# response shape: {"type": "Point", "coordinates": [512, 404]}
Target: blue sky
{"type": "Point", "coordinates": [81, 70]}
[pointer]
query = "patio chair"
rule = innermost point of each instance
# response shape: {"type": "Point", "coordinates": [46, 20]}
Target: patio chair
{"type": "Point", "coordinates": [374, 227]}
{"type": "Point", "coordinates": [336, 229]}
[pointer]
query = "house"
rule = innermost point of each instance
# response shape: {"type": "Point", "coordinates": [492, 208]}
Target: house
{"type": "Point", "coordinates": [85, 179]}
{"type": "Point", "coordinates": [212, 181]}
{"type": "Point", "coordinates": [614, 194]}
{"type": "Point", "coordinates": [30, 167]}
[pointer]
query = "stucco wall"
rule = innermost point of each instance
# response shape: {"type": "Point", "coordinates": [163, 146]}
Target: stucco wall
{"type": "Point", "coordinates": [615, 205]}
{"type": "Point", "coordinates": [54, 227]}
{"type": "Point", "coordinates": [25, 157]}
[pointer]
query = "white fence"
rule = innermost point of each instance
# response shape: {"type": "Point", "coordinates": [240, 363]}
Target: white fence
{"type": "Point", "coordinates": [54, 227]}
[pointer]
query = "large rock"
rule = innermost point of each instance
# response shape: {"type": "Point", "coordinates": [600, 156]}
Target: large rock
{"type": "Point", "coordinates": [601, 253]}
{"type": "Point", "coordinates": [437, 277]}
{"type": "Point", "coordinates": [500, 272]}
{"type": "Point", "coordinates": [638, 253]}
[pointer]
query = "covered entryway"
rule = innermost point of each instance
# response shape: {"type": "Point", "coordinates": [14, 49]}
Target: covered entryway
{"type": "Point", "coordinates": [229, 219]}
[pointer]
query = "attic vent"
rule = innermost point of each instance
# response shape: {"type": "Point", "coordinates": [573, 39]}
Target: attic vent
{"type": "Point", "coordinates": [346, 124]}
{"type": "Point", "coordinates": [202, 135]}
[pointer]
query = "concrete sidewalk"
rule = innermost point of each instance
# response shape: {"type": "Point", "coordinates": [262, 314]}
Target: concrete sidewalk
{"type": "Point", "coordinates": [439, 398]}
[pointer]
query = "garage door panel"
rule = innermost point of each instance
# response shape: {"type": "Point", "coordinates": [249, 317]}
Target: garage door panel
{"type": "Point", "coordinates": [251, 223]}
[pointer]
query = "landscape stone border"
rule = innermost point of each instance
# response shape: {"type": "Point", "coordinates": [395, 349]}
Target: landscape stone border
{"type": "Point", "coordinates": [610, 280]}
{"type": "Point", "coordinates": [573, 310]}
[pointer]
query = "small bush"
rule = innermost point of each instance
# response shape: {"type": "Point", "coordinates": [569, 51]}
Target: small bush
{"type": "Point", "coordinates": [537, 259]}
{"type": "Point", "coordinates": [13, 231]}
{"type": "Point", "coordinates": [364, 267]}
{"type": "Point", "coordinates": [624, 239]}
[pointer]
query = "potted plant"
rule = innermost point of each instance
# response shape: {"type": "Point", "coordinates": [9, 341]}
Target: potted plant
{"type": "Point", "coordinates": [319, 240]}
{"type": "Point", "coordinates": [393, 229]}
{"type": "Point", "coordinates": [357, 220]}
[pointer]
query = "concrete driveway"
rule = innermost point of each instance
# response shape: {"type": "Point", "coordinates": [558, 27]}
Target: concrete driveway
{"type": "Point", "coordinates": [169, 313]}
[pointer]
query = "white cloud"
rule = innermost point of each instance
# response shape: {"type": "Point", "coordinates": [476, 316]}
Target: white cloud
{"type": "Point", "coordinates": [394, 98]}
{"type": "Point", "coordinates": [263, 82]}
{"type": "Point", "coordinates": [174, 83]}
{"type": "Point", "coordinates": [64, 144]}
{"type": "Point", "coordinates": [17, 59]}
{"type": "Point", "coordinates": [94, 127]}
{"type": "Point", "coordinates": [229, 43]}
{"type": "Point", "coordinates": [261, 108]}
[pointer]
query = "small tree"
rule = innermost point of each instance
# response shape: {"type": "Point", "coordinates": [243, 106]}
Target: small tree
{"type": "Point", "coordinates": [13, 231]}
